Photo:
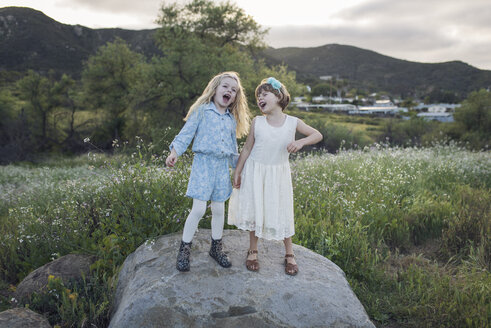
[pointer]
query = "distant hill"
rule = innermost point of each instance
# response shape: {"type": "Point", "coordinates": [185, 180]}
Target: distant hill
{"type": "Point", "coordinates": [378, 72]}
{"type": "Point", "coordinates": [31, 40]}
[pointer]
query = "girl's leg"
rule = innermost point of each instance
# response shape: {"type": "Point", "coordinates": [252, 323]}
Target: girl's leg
{"type": "Point", "coordinates": [253, 243]}
{"type": "Point", "coordinates": [192, 221]}
{"type": "Point", "coordinates": [291, 267]}
{"type": "Point", "coordinates": [251, 263]}
{"type": "Point", "coordinates": [197, 212]}
{"type": "Point", "coordinates": [217, 220]}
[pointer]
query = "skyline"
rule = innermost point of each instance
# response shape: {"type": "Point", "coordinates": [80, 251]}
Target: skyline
{"type": "Point", "coordinates": [430, 31]}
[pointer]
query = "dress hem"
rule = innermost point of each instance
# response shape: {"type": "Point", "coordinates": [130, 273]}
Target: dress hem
{"type": "Point", "coordinates": [262, 236]}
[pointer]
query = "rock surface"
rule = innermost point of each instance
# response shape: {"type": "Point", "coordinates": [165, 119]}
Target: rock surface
{"type": "Point", "coordinates": [22, 318]}
{"type": "Point", "coordinates": [152, 293]}
{"type": "Point", "coordinates": [67, 267]}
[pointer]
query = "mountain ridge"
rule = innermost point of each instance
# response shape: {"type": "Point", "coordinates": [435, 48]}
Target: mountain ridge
{"type": "Point", "coordinates": [31, 40]}
{"type": "Point", "coordinates": [367, 67]}
{"type": "Point", "coordinates": [36, 41]}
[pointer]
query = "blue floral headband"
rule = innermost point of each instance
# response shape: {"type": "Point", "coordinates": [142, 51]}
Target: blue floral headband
{"type": "Point", "coordinates": [274, 83]}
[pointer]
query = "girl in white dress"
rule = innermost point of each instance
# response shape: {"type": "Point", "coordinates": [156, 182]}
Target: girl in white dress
{"type": "Point", "coordinates": [262, 202]}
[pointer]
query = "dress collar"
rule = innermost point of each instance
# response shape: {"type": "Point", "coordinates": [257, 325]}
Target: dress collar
{"type": "Point", "coordinates": [211, 105]}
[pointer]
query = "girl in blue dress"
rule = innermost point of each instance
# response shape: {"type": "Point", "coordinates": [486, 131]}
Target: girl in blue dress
{"type": "Point", "coordinates": [214, 121]}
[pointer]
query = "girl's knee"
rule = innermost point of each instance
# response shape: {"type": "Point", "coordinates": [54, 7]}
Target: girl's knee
{"type": "Point", "coordinates": [217, 208]}
{"type": "Point", "coordinates": [199, 208]}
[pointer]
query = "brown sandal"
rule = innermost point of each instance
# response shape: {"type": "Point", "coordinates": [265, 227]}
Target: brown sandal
{"type": "Point", "coordinates": [290, 269]}
{"type": "Point", "coordinates": [252, 265]}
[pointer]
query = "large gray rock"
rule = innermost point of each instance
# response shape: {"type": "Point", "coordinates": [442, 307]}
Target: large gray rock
{"type": "Point", "coordinates": [68, 267]}
{"type": "Point", "coordinates": [22, 318]}
{"type": "Point", "coordinates": [152, 293]}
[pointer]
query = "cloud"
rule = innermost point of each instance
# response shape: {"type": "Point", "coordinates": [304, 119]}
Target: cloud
{"type": "Point", "coordinates": [140, 8]}
{"type": "Point", "coordinates": [113, 13]}
{"type": "Point", "coordinates": [418, 30]}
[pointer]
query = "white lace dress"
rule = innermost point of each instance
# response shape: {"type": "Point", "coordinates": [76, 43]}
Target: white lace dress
{"type": "Point", "coordinates": [264, 202]}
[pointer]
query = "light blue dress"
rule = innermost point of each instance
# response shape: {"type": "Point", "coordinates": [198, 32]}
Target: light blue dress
{"type": "Point", "coordinates": [215, 149]}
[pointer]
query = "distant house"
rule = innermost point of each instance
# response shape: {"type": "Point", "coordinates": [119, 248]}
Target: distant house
{"type": "Point", "coordinates": [327, 107]}
{"type": "Point", "coordinates": [437, 116]}
{"type": "Point", "coordinates": [321, 98]}
{"type": "Point", "coordinates": [384, 107]}
{"type": "Point", "coordinates": [381, 107]}
{"type": "Point", "coordinates": [298, 100]}
{"type": "Point", "coordinates": [384, 103]}
{"type": "Point", "coordinates": [436, 108]}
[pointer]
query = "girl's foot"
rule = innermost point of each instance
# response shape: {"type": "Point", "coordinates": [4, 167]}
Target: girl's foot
{"type": "Point", "coordinates": [251, 262]}
{"type": "Point", "coordinates": [217, 253]}
{"type": "Point", "coordinates": [182, 263]}
{"type": "Point", "coordinates": [291, 267]}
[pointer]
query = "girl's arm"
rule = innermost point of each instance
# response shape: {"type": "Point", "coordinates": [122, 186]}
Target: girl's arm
{"type": "Point", "coordinates": [244, 154]}
{"type": "Point", "coordinates": [312, 137]}
{"type": "Point", "coordinates": [183, 139]}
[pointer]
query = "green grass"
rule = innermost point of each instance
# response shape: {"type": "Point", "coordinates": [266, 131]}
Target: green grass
{"type": "Point", "coordinates": [369, 127]}
{"type": "Point", "coordinates": [410, 227]}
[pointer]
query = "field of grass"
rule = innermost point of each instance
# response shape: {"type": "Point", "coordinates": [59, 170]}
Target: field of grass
{"type": "Point", "coordinates": [370, 127]}
{"type": "Point", "coordinates": [410, 227]}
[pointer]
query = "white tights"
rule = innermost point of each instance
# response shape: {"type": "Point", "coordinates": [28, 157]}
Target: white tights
{"type": "Point", "coordinates": [197, 212]}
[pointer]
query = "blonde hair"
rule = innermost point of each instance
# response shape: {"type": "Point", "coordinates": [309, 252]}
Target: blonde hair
{"type": "Point", "coordinates": [239, 107]}
{"type": "Point", "coordinates": [282, 94]}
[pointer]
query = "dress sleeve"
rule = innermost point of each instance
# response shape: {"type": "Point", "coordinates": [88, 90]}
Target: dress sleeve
{"type": "Point", "coordinates": [187, 133]}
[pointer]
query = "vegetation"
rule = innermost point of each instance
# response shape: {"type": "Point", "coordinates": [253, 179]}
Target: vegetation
{"type": "Point", "coordinates": [410, 227]}
{"type": "Point", "coordinates": [474, 120]}
{"type": "Point", "coordinates": [122, 94]}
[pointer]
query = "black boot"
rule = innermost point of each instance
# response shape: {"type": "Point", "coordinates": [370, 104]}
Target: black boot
{"type": "Point", "coordinates": [183, 256]}
{"type": "Point", "coordinates": [217, 253]}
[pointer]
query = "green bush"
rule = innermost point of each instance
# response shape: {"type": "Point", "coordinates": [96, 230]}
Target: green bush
{"type": "Point", "coordinates": [469, 230]}
{"type": "Point", "coordinates": [337, 137]}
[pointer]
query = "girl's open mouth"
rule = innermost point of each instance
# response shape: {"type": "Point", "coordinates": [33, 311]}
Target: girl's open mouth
{"type": "Point", "coordinates": [262, 104]}
{"type": "Point", "coordinates": [226, 98]}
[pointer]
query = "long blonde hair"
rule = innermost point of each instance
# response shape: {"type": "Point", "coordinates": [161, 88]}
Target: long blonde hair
{"type": "Point", "coordinates": [239, 107]}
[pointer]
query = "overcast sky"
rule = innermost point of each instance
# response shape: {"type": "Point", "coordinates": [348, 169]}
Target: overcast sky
{"type": "Point", "coordinates": [416, 30]}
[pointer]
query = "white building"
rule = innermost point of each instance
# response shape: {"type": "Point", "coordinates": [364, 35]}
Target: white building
{"type": "Point", "coordinates": [437, 116]}
{"type": "Point", "coordinates": [327, 107]}
{"type": "Point", "coordinates": [384, 107]}
{"type": "Point", "coordinates": [437, 108]}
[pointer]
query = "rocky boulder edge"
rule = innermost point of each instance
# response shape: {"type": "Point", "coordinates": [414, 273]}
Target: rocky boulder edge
{"type": "Point", "coordinates": [152, 293]}
{"type": "Point", "coordinates": [68, 267]}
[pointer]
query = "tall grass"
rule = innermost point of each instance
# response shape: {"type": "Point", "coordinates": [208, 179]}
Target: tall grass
{"type": "Point", "coordinates": [375, 212]}
{"type": "Point", "coordinates": [372, 212]}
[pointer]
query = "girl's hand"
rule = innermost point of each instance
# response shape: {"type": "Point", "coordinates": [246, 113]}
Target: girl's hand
{"type": "Point", "coordinates": [294, 146]}
{"type": "Point", "coordinates": [237, 180]}
{"type": "Point", "coordinates": [171, 159]}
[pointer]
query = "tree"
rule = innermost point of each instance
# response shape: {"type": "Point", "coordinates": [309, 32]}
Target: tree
{"type": "Point", "coordinates": [409, 103]}
{"type": "Point", "coordinates": [108, 80]}
{"type": "Point", "coordinates": [324, 89]}
{"type": "Point", "coordinates": [442, 96]}
{"type": "Point", "coordinates": [473, 119]}
{"type": "Point", "coordinates": [43, 96]}
{"type": "Point", "coordinates": [216, 24]}
{"type": "Point", "coordinates": [199, 40]}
